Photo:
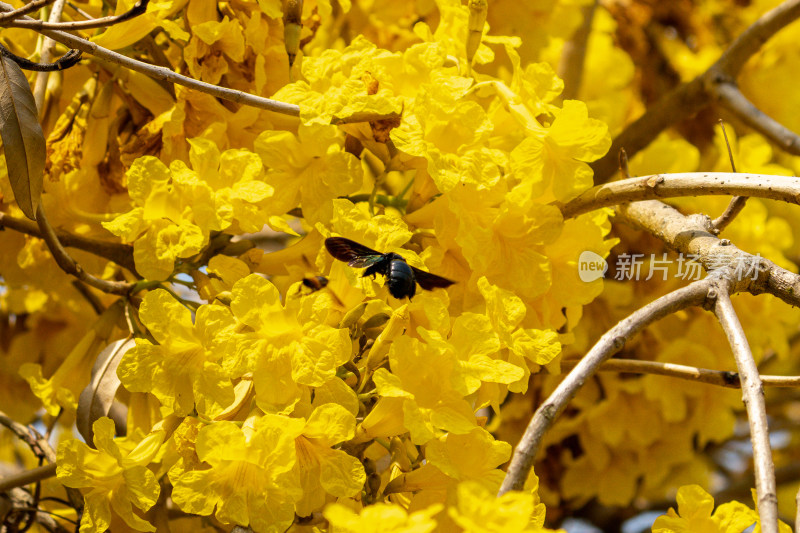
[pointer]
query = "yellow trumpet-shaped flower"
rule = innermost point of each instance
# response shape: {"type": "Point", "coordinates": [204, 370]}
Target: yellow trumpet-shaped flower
{"type": "Point", "coordinates": [114, 478]}
{"type": "Point", "coordinates": [186, 369]}
{"type": "Point", "coordinates": [247, 482]}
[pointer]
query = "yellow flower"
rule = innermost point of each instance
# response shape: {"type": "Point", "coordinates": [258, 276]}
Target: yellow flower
{"type": "Point", "coordinates": [381, 518]}
{"type": "Point", "coordinates": [310, 169]}
{"type": "Point", "coordinates": [424, 378]}
{"type": "Point", "coordinates": [480, 510]}
{"type": "Point", "coordinates": [247, 482]}
{"type": "Point", "coordinates": [471, 456]}
{"type": "Point", "coordinates": [290, 346]}
{"type": "Point", "coordinates": [319, 467]}
{"type": "Point", "coordinates": [696, 515]}
{"type": "Point", "coordinates": [186, 369]}
{"type": "Point", "coordinates": [114, 478]}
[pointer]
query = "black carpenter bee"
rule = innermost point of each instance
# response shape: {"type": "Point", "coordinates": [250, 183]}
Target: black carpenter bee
{"type": "Point", "coordinates": [401, 277]}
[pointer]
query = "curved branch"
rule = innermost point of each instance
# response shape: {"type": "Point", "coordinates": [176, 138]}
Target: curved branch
{"type": "Point", "coordinates": [753, 397]}
{"type": "Point", "coordinates": [24, 10]}
{"type": "Point", "coordinates": [720, 378]}
{"type": "Point", "coordinates": [67, 60]}
{"type": "Point", "coordinates": [138, 9]}
{"type": "Point", "coordinates": [162, 73]}
{"type": "Point", "coordinates": [608, 345]}
{"type": "Point", "coordinates": [753, 38]}
{"type": "Point", "coordinates": [70, 266]}
{"type": "Point", "coordinates": [121, 254]}
{"type": "Point", "coordinates": [784, 188]}
{"type": "Point", "coordinates": [689, 98]}
{"type": "Point", "coordinates": [731, 98]}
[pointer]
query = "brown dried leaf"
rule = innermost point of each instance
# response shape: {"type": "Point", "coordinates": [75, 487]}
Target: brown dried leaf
{"type": "Point", "coordinates": [98, 396]}
{"type": "Point", "coordinates": [23, 139]}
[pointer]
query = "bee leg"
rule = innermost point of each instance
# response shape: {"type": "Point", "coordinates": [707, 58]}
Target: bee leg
{"type": "Point", "coordinates": [372, 270]}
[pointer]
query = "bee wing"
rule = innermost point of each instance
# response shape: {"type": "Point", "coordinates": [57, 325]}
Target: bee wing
{"type": "Point", "coordinates": [352, 253]}
{"type": "Point", "coordinates": [430, 281]}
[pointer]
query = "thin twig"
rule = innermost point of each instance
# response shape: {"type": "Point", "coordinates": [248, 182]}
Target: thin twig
{"type": "Point", "coordinates": [67, 60]}
{"type": "Point", "coordinates": [753, 397]}
{"type": "Point", "coordinates": [121, 254]}
{"type": "Point", "coordinates": [720, 378]}
{"type": "Point", "coordinates": [784, 188]}
{"type": "Point", "coordinates": [138, 9]}
{"type": "Point", "coordinates": [737, 203]}
{"type": "Point", "coordinates": [69, 265]}
{"type": "Point", "coordinates": [609, 344]}
{"type": "Point", "coordinates": [24, 10]}
{"type": "Point", "coordinates": [623, 164]}
{"type": "Point", "coordinates": [689, 98]}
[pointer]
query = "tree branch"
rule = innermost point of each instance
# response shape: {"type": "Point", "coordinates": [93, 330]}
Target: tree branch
{"type": "Point", "coordinates": [753, 397]}
{"type": "Point", "coordinates": [731, 98]}
{"type": "Point", "coordinates": [67, 60]}
{"type": "Point", "coordinates": [573, 55]}
{"type": "Point", "coordinates": [24, 10]}
{"type": "Point", "coordinates": [121, 254]}
{"type": "Point", "coordinates": [163, 73]}
{"type": "Point", "coordinates": [689, 98]}
{"type": "Point", "coordinates": [692, 236]}
{"type": "Point", "coordinates": [784, 188]}
{"type": "Point", "coordinates": [720, 378]}
{"type": "Point", "coordinates": [27, 477]}
{"type": "Point", "coordinates": [608, 345]}
{"type": "Point", "coordinates": [40, 447]}
{"type": "Point", "coordinates": [70, 266]}
{"type": "Point", "coordinates": [138, 9]}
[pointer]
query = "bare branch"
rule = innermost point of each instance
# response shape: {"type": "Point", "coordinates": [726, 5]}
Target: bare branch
{"type": "Point", "coordinates": [40, 447]}
{"type": "Point", "coordinates": [138, 9]}
{"type": "Point", "coordinates": [693, 236]}
{"type": "Point", "coordinates": [677, 105]}
{"type": "Point", "coordinates": [732, 99]}
{"type": "Point", "coordinates": [608, 345]}
{"type": "Point", "coordinates": [753, 397]}
{"type": "Point", "coordinates": [573, 55]}
{"type": "Point", "coordinates": [720, 378]}
{"type": "Point", "coordinates": [753, 38]}
{"type": "Point", "coordinates": [67, 60]}
{"type": "Point", "coordinates": [784, 188]}
{"type": "Point", "coordinates": [162, 73]}
{"type": "Point", "coordinates": [69, 265]}
{"type": "Point", "coordinates": [24, 10]}
{"type": "Point", "coordinates": [121, 254]}
{"type": "Point", "coordinates": [27, 477]}
{"type": "Point", "coordinates": [689, 98]}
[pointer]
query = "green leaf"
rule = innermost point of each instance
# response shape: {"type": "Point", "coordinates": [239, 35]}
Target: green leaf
{"type": "Point", "coordinates": [23, 139]}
